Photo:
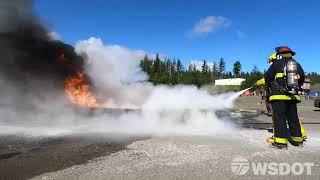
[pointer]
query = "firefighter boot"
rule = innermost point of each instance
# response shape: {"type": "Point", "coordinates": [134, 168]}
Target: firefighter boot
{"type": "Point", "coordinates": [303, 132]}
{"type": "Point", "coordinates": [297, 141]}
{"type": "Point", "coordinates": [279, 145]}
{"type": "Point", "coordinates": [276, 145]}
{"type": "Point", "coordinates": [270, 140]}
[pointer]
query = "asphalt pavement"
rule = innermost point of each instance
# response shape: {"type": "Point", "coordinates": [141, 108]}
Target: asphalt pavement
{"type": "Point", "coordinates": [235, 154]}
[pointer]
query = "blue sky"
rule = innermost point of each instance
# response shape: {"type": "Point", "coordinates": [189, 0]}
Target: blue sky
{"type": "Point", "coordinates": [245, 30]}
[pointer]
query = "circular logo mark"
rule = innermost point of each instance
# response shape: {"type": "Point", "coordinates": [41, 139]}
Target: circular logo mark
{"type": "Point", "coordinates": [240, 166]}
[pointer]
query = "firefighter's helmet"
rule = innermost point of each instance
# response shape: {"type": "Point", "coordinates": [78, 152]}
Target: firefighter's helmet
{"type": "Point", "coordinates": [272, 57]}
{"type": "Point", "coordinates": [284, 50]}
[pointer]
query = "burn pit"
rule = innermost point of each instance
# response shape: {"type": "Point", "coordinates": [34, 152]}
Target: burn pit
{"type": "Point", "coordinates": [35, 65]}
{"type": "Point", "coordinates": [79, 92]}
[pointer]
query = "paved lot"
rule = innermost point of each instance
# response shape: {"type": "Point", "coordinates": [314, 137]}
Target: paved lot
{"type": "Point", "coordinates": [187, 157]}
{"type": "Point", "coordinates": [194, 158]}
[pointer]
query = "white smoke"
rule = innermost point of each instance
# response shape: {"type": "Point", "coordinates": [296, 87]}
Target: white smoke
{"type": "Point", "coordinates": [115, 71]}
{"type": "Point", "coordinates": [36, 104]}
{"type": "Point", "coordinates": [167, 111]}
{"type": "Point", "coordinates": [156, 110]}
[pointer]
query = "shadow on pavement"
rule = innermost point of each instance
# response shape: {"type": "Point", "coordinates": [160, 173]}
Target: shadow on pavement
{"type": "Point", "coordinates": [23, 158]}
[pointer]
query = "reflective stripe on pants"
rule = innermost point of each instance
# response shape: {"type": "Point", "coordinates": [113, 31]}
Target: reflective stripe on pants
{"type": "Point", "coordinates": [281, 140]}
{"type": "Point", "coordinates": [297, 139]}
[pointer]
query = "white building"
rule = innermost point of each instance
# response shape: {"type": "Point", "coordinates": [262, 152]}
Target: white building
{"type": "Point", "coordinates": [229, 82]}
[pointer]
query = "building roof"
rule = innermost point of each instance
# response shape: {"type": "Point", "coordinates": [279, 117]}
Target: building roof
{"type": "Point", "coordinates": [229, 82]}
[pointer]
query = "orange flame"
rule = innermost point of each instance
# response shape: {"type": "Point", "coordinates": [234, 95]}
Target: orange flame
{"type": "Point", "coordinates": [79, 92]}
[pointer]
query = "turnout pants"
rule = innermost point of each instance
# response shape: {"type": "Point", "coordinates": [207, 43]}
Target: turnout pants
{"type": "Point", "coordinates": [268, 104]}
{"type": "Point", "coordinates": [283, 112]}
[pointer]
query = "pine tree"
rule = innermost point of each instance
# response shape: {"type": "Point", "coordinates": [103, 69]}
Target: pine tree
{"type": "Point", "coordinates": [222, 67]}
{"type": "Point", "coordinates": [215, 71]}
{"type": "Point", "coordinates": [145, 65]}
{"type": "Point", "coordinates": [173, 72]}
{"type": "Point", "coordinates": [179, 67]}
{"type": "Point", "coordinates": [236, 69]}
{"type": "Point", "coordinates": [252, 78]}
{"type": "Point", "coordinates": [168, 66]}
{"type": "Point", "coordinates": [179, 70]}
{"type": "Point", "coordinates": [156, 70]}
{"type": "Point", "coordinates": [204, 67]}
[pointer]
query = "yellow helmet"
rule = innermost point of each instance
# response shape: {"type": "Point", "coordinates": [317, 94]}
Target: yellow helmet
{"type": "Point", "coordinates": [272, 57]}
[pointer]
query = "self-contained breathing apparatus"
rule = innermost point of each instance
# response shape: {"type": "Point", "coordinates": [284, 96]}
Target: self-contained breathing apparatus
{"type": "Point", "coordinates": [290, 72]}
{"type": "Point", "coordinates": [291, 78]}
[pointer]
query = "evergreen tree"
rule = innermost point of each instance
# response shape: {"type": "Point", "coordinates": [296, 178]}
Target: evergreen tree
{"type": "Point", "coordinates": [208, 76]}
{"type": "Point", "coordinates": [236, 69]}
{"type": "Point", "coordinates": [179, 67]}
{"type": "Point", "coordinates": [252, 78]}
{"type": "Point", "coordinates": [156, 70]}
{"type": "Point", "coordinates": [180, 71]}
{"type": "Point", "coordinates": [222, 67]}
{"type": "Point", "coordinates": [146, 65]}
{"type": "Point", "coordinates": [172, 72]}
{"type": "Point", "coordinates": [204, 67]}
{"type": "Point", "coordinates": [215, 71]}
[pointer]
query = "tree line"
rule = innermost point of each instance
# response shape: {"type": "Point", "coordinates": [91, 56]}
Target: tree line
{"type": "Point", "coordinates": [172, 72]}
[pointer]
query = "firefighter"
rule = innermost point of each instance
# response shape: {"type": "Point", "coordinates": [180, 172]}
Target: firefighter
{"type": "Point", "coordinates": [285, 77]}
{"type": "Point", "coordinates": [261, 83]}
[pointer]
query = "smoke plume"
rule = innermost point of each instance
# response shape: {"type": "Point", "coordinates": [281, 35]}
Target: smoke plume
{"type": "Point", "coordinates": [116, 73]}
{"type": "Point", "coordinates": [34, 67]}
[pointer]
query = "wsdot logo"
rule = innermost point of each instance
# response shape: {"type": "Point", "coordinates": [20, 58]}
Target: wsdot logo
{"type": "Point", "coordinates": [240, 166]}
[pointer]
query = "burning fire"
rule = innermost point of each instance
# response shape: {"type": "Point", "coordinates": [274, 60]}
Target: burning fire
{"type": "Point", "coordinates": [79, 92]}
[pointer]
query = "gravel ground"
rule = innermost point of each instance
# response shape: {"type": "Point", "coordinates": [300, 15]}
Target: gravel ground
{"type": "Point", "coordinates": [205, 157]}
{"type": "Point", "coordinates": [99, 156]}
{"type": "Point", "coordinates": [192, 158]}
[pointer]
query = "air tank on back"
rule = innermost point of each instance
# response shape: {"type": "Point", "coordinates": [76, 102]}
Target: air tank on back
{"type": "Point", "coordinates": [292, 76]}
